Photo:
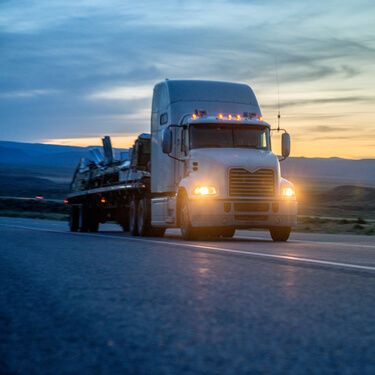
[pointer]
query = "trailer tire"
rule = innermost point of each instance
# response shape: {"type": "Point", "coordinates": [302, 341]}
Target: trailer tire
{"type": "Point", "coordinates": [124, 222]}
{"type": "Point", "coordinates": [84, 220]}
{"type": "Point", "coordinates": [144, 220]}
{"type": "Point", "coordinates": [187, 231]}
{"type": "Point", "coordinates": [133, 226]}
{"type": "Point", "coordinates": [94, 223]}
{"type": "Point", "coordinates": [74, 219]}
{"type": "Point", "coordinates": [144, 217]}
{"type": "Point", "coordinates": [280, 234]}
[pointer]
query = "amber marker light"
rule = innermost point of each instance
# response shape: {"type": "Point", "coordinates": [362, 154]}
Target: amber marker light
{"type": "Point", "coordinates": [220, 116]}
{"type": "Point", "coordinates": [238, 117]}
{"type": "Point", "coordinates": [230, 117]}
{"type": "Point", "coordinates": [103, 200]}
{"type": "Point", "coordinates": [194, 116]}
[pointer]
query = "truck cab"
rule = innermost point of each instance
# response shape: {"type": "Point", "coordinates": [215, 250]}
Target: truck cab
{"type": "Point", "coordinates": [212, 167]}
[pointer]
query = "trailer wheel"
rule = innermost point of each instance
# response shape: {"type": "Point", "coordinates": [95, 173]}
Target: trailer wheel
{"type": "Point", "coordinates": [84, 219]}
{"type": "Point", "coordinates": [133, 227]}
{"type": "Point", "coordinates": [280, 234]}
{"type": "Point", "coordinates": [187, 231]}
{"type": "Point", "coordinates": [124, 222]}
{"type": "Point", "coordinates": [74, 219]}
{"type": "Point", "coordinates": [94, 224]}
{"type": "Point", "coordinates": [143, 217]}
{"type": "Point", "coordinates": [144, 220]}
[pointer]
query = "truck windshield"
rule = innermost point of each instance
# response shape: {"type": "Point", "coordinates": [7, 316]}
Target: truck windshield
{"type": "Point", "coordinates": [228, 135]}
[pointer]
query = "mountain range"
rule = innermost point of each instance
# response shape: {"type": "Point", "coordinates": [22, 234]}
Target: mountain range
{"type": "Point", "coordinates": [61, 160]}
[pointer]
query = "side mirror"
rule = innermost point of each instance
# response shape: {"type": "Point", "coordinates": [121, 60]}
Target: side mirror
{"type": "Point", "coordinates": [285, 145]}
{"type": "Point", "coordinates": [166, 142]}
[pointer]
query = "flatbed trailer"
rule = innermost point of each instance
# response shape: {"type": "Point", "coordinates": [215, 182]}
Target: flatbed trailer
{"type": "Point", "coordinates": [118, 202]}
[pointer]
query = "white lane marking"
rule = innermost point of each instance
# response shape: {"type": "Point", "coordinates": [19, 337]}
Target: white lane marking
{"type": "Point", "coordinates": [204, 247]}
{"type": "Point", "coordinates": [345, 244]}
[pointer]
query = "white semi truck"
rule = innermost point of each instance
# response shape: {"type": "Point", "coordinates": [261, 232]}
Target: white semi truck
{"type": "Point", "coordinates": [207, 168]}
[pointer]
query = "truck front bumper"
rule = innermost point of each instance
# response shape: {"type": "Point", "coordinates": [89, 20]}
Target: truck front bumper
{"type": "Point", "coordinates": [243, 214]}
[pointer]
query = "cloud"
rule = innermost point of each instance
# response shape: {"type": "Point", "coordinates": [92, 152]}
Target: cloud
{"type": "Point", "coordinates": [28, 93]}
{"type": "Point", "coordinates": [122, 93]}
{"type": "Point", "coordinates": [81, 67]}
{"type": "Point", "coordinates": [323, 101]}
{"type": "Point", "coordinates": [328, 129]}
{"type": "Point", "coordinates": [353, 137]}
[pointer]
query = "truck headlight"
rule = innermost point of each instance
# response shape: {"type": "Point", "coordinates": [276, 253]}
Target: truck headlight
{"type": "Point", "coordinates": [288, 192]}
{"type": "Point", "coordinates": [204, 190]}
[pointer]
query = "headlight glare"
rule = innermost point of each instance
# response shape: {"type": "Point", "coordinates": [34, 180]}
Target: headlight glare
{"type": "Point", "coordinates": [204, 190]}
{"type": "Point", "coordinates": [288, 192]}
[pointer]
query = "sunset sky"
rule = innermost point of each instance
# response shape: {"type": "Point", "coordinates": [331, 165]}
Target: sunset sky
{"type": "Point", "coordinates": [72, 71]}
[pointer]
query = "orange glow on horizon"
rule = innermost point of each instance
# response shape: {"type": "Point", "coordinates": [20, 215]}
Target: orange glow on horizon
{"type": "Point", "coordinates": [117, 141]}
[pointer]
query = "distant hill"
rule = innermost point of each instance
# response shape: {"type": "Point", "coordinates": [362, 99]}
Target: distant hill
{"type": "Point", "coordinates": [34, 154]}
{"type": "Point", "coordinates": [348, 193]}
{"type": "Point", "coordinates": [26, 186]}
{"type": "Point", "coordinates": [57, 159]}
{"type": "Point", "coordinates": [331, 169]}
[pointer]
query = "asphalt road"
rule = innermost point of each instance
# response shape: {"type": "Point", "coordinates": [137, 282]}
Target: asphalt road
{"type": "Point", "coordinates": [107, 303]}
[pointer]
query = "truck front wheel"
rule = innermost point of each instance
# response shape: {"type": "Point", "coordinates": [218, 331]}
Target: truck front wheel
{"type": "Point", "coordinates": [187, 231]}
{"type": "Point", "coordinates": [133, 208]}
{"type": "Point", "coordinates": [227, 232]}
{"type": "Point", "coordinates": [280, 234]}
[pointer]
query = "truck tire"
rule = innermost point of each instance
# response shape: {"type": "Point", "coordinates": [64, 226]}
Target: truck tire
{"type": "Point", "coordinates": [144, 220]}
{"type": "Point", "coordinates": [133, 226]}
{"type": "Point", "coordinates": [94, 223]}
{"type": "Point", "coordinates": [157, 232]}
{"type": "Point", "coordinates": [227, 232]}
{"type": "Point", "coordinates": [124, 222]}
{"type": "Point", "coordinates": [74, 219]}
{"type": "Point", "coordinates": [84, 219]}
{"type": "Point", "coordinates": [144, 217]}
{"type": "Point", "coordinates": [280, 234]}
{"type": "Point", "coordinates": [187, 231]}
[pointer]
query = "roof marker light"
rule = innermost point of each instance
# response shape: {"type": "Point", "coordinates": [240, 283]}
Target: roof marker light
{"type": "Point", "coordinates": [194, 116]}
{"type": "Point", "coordinates": [260, 118]}
{"type": "Point", "coordinates": [230, 116]}
{"type": "Point", "coordinates": [238, 117]}
{"type": "Point", "coordinates": [220, 116]}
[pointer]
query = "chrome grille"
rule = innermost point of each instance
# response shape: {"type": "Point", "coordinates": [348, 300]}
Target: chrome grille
{"type": "Point", "coordinates": [243, 183]}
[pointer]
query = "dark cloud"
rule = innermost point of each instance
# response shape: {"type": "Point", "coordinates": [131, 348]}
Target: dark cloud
{"type": "Point", "coordinates": [328, 129]}
{"type": "Point", "coordinates": [339, 136]}
{"type": "Point", "coordinates": [323, 101]}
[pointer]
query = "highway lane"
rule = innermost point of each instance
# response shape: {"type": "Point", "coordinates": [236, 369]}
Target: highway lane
{"type": "Point", "coordinates": [109, 303]}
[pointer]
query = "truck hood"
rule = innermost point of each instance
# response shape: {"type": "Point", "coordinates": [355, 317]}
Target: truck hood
{"type": "Point", "coordinates": [249, 159]}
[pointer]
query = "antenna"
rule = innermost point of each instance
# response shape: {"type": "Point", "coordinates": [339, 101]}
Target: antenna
{"type": "Point", "coordinates": [278, 95]}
